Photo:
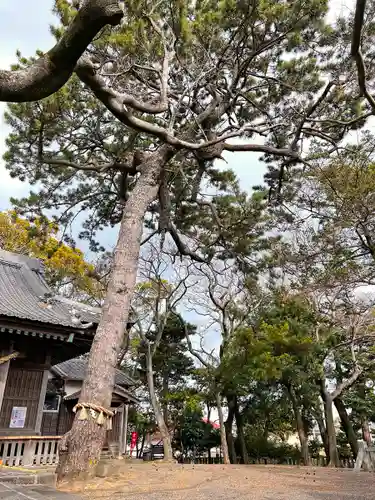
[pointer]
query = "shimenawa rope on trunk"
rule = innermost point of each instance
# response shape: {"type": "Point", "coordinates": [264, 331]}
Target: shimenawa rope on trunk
{"type": "Point", "coordinates": [101, 415]}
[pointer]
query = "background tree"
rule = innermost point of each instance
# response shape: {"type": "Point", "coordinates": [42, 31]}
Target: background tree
{"type": "Point", "coordinates": [66, 270]}
{"type": "Point", "coordinates": [279, 348]}
{"type": "Point", "coordinates": [360, 398]}
{"type": "Point", "coordinates": [195, 436]}
{"type": "Point", "coordinates": [162, 334]}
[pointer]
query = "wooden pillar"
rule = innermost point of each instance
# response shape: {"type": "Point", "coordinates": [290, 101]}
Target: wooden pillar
{"type": "Point", "coordinates": [4, 369]}
{"type": "Point", "coordinates": [125, 429]}
{"type": "Point", "coordinates": [121, 437]}
{"type": "Point", "coordinates": [39, 415]}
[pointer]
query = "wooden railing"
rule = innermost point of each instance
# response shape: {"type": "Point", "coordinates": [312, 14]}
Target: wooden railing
{"type": "Point", "coordinates": [29, 450]}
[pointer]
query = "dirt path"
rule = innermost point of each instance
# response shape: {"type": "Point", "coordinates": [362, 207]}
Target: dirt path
{"type": "Point", "coordinates": [158, 481]}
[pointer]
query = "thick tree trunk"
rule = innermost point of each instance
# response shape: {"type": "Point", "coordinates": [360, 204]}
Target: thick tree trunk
{"type": "Point", "coordinates": [165, 390]}
{"type": "Point", "coordinates": [347, 426]}
{"type": "Point", "coordinates": [80, 449]}
{"type": "Point", "coordinates": [163, 428]}
{"type": "Point", "coordinates": [323, 432]}
{"type": "Point", "coordinates": [223, 437]}
{"type": "Point", "coordinates": [333, 457]}
{"type": "Point", "coordinates": [240, 434]}
{"type": "Point", "coordinates": [140, 450]}
{"type": "Point", "coordinates": [300, 426]}
{"type": "Point", "coordinates": [229, 430]}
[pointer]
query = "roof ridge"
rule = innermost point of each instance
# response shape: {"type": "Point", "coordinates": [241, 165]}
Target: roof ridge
{"type": "Point", "coordinates": [26, 295]}
{"type": "Point", "coordinates": [63, 369]}
{"type": "Point", "coordinates": [32, 263]}
{"type": "Point", "coordinates": [72, 302]}
{"type": "Point", "coordinates": [10, 264]}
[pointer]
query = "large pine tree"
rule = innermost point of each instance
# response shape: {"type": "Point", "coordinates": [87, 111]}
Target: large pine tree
{"type": "Point", "coordinates": [151, 106]}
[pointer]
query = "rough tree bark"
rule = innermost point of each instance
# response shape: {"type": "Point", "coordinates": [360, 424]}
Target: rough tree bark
{"type": "Point", "coordinates": [347, 425]}
{"type": "Point", "coordinates": [163, 428]}
{"type": "Point", "coordinates": [241, 437]}
{"type": "Point", "coordinates": [323, 431]}
{"type": "Point", "coordinates": [300, 426]}
{"type": "Point", "coordinates": [81, 447]}
{"type": "Point", "coordinates": [223, 437]}
{"type": "Point", "coordinates": [333, 456]}
{"type": "Point", "coordinates": [229, 430]}
{"type": "Point", "coordinates": [51, 71]}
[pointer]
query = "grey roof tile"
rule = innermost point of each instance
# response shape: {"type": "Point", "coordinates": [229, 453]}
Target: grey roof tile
{"type": "Point", "coordinates": [24, 292]}
{"type": "Point", "coordinates": [75, 369]}
{"type": "Point", "coordinates": [117, 390]}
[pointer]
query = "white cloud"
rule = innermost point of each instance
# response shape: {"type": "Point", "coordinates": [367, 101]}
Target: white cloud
{"type": "Point", "coordinates": [340, 8]}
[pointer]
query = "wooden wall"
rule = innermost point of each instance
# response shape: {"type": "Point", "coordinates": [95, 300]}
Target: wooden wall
{"type": "Point", "coordinates": [113, 436]}
{"type": "Point", "coordinates": [57, 423]}
{"type": "Point", "coordinates": [22, 389]}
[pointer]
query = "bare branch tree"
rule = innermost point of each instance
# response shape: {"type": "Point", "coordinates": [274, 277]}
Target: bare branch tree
{"type": "Point", "coordinates": [154, 302]}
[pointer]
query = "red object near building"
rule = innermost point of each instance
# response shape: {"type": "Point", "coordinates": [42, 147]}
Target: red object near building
{"type": "Point", "coordinates": [133, 441]}
{"type": "Point", "coordinates": [215, 425]}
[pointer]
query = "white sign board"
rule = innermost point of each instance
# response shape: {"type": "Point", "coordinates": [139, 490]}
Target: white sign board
{"type": "Point", "coordinates": [18, 417]}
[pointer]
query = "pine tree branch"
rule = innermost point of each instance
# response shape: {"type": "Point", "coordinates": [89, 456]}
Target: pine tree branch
{"type": "Point", "coordinates": [343, 123]}
{"type": "Point", "coordinates": [167, 225]}
{"type": "Point", "coordinates": [242, 71]}
{"type": "Point", "coordinates": [213, 210]}
{"type": "Point", "coordinates": [89, 167]}
{"type": "Point", "coordinates": [152, 109]}
{"type": "Point", "coordinates": [311, 132]}
{"type": "Point", "coordinates": [169, 52]}
{"type": "Point", "coordinates": [182, 247]}
{"type": "Point", "coordinates": [346, 383]}
{"type": "Point", "coordinates": [51, 71]}
{"type": "Point", "coordinates": [261, 148]}
{"type": "Point", "coordinates": [272, 79]}
{"type": "Point", "coordinates": [114, 102]}
{"type": "Point", "coordinates": [149, 237]}
{"type": "Point", "coordinates": [357, 53]}
{"type": "Point", "coordinates": [310, 110]}
{"type": "Point", "coordinates": [358, 25]}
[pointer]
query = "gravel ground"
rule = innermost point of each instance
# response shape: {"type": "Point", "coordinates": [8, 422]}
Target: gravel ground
{"type": "Point", "coordinates": [158, 481]}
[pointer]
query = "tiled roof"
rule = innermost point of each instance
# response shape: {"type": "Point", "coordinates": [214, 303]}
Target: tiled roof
{"type": "Point", "coordinates": [120, 391]}
{"type": "Point", "coordinates": [25, 294]}
{"type": "Point", "coordinates": [75, 369]}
